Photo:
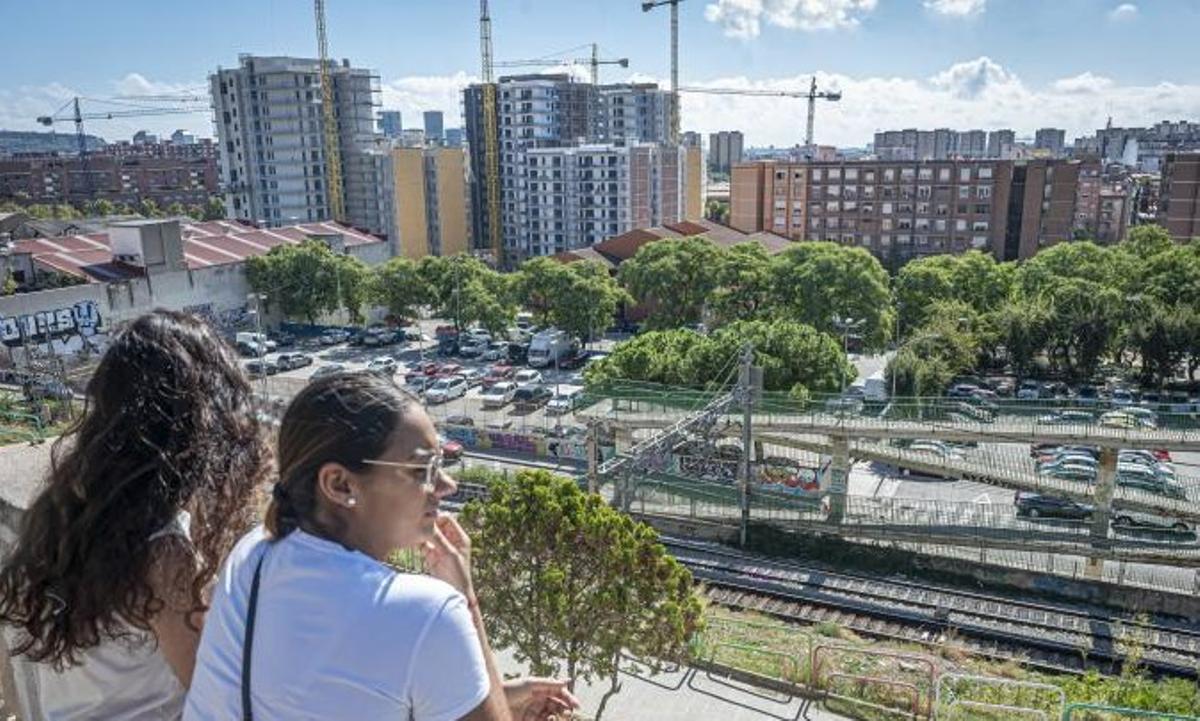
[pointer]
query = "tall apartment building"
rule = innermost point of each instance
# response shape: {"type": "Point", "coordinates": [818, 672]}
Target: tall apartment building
{"type": "Point", "coordinates": [940, 144]}
{"type": "Point", "coordinates": [557, 136]}
{"type": "Point", "coordinates": [1179, 200]}
{"type": "Point", "coordinates": [1143, 149]}
{"type": "Point", "coordinates": [434, 127]}
{"type": "Point", "coordinates": [724, 150]}
{"type": "Point", "coordinates": [690, 138]}
{"type": "Point", "coordinates": [271, 134]}
{"type": "Point", "coordinates": [899, 210]}
{"type": "Point", "coordinates": [390, 123]}
{"type": "Point", "coordinates": [202, 148]}
{"type": "Point", "coordinates": [454, 137]}
{"type": "Point", "coordinates": [428, 189]}
{"type": "Point", "coordinates": [632, 113]}
{"type": "Point", "coordinates": [1000, 144]}
{"type": "Point", "coordinates": [1052, 140]}
{"type": "Point", "coordinates": [128, 178]}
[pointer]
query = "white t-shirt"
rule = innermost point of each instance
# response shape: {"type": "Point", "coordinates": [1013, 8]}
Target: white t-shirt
{"type": "Point", "coordinates": [123, 679]}
{"type": "Point", "coordinates": [337, 635]}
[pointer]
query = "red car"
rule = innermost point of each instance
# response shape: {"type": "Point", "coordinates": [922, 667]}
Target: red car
{"type": "Point", "coordinates": [450, 369]}
{"type": "Point", "coordinates": [452, 450]}
{"type": "Point", "coordinates": [1162, 454]}
{"type": "Point", "coordinates": [497, 373]}
{"type": "Point", "coordinates": [429, 368]}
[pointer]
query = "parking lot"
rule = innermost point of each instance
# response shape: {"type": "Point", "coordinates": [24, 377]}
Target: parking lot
{"type": "Point", "coordinates": [415, 357]}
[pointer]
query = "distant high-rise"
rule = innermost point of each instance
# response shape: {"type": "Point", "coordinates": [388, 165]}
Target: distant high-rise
{"type": "Point", "coordinates": [939, 144]}
{"type": "Point", "coordinates": [272, 141]}
{"type": "Point", "coordinates": [390, 123]}
{"type": "Point", "coordinates": [144, 137]}
{"type": "Point", "coordinates": [1000, 144]}
{"type": "Point", "coordinates": [578, 163]}
{"type": "Point", "coordinates": [433, 127]}
{"type": "Point", "coordinates": [182, 137]}
{"type": "Point", "coordinates": [1050, 139]}
{"type": "Point", "coordinates": [724, 150]}
{"type": "Point", "coordinates": [454, 137]}
{"type": "Point", "coordinates": [690, 139]}
{"type": "Point", "coordinates": [429, 201]}
{"type": "Point", "coordinates": [1179, 205]}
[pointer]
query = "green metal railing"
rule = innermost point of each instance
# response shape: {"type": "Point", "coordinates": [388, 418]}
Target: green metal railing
{"type": "Point", "coordinates": [1089, 711]}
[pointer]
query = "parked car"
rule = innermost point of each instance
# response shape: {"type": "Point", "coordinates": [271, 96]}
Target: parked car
{"type": "Point", "coordinates": [384, 365]}
{"type": "Point", "coordinates": [497, 373]}
{"type": "Point", "coordinates": [1069, 472]}
{"type": "Point", "coordinates": [1121, 397]}
{"type": "Point", "coordinates": [413, 333]}
{"type": "Point", "coordinates": [446, 389]}
{"type": "Point", "coordinates": [473, 376]}
{"type": "Point", "coordinates": [452, 450]}
{"type": "Point", "coordinates": [1087, 394]}
{"type": "Point", "coordinates": [937, 448]}
{"type": "Point", "coordinates": [1129, 418]}
{"type": "Point", "coordinates": [251, 349]}
{"type": "Point", "coordinates": [418, 383]}
{"type": "Point", "coordinates": [288, 361]}
{"type": "Point", "coordinates": [565, 400]}
{"type": "Point", "coordinates": [1066, 418]}
{"type": "Point", "coordinates": [527, 377]}
{"type": "Point", "coordinates": [450, 369]}
{"type": "Point", "coordinates": [497, 351]}
{"type": "Point", "coordinates": [333, 336]}
{"type": "Point", "coordinates": [1029, 390]}
{"type": "Point", "coordinates": [459, 420]}
{"type": "Point", "coordinates": [845, 405]}
{"type": "Point", "coordinates": [282, 338]}
{"type": "Point", "coordinates": [1069, 459]}
{"type": "Point", "coordinates": [498, 394]}
{"type": "Point", "coordinates": [327, 370]}
{"type": "Point", "coordinates": [260, 367]}
{"type": "Point", "coordinates": [961, 390]}
{"type": "Point", "coordinates": [469, 348]}
{"type": "Point", "coordinates": [531, 397]}
{"type": "Point", "coordinates": [1036, 505]}
{"type": "Point", "coordinates": [518, 353]}
{"type": "Point", "coordinates": [1133, 519]}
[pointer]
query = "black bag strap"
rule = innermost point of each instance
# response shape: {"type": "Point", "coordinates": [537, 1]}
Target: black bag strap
{"type": "Point", "coordinates": [248, 641]}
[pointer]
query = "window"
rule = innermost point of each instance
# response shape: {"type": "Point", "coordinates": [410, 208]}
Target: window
{"type": "Point", "coordinates": [926, 174]}
{"type": "Point", "coordinates": [983, 191]}
{"type": "Point", "coordinates": [851, 173]}
{"type": "Point", "coordinates": [816, 173]}
{"type": "Point", "coordinates": [831, 206]}
{"type": "Point", "coordinates": [886, 208]}
{"type": "Point", "coordinates": [908, 173]}
{"type": "Point", "coordinates": [943, 175]}
{"type": "Point", "coordinates": [869, 176]}
{"type": "Point", "coordinates": [960, 224]}
{"type": "Point", "coordinates": [964, 192]}
{"type": "Point", "coordinates": [985, 172]}
{"type": "Point", "coordinates": [979, 225]}
{"type": "Point", "coordinates": [889, 175]}
{"type": "Point", "coordinates": [835, 173]}
{"type": "Point", "coordinates": [964, 174]}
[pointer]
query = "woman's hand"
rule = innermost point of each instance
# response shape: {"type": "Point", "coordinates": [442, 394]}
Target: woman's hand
{"type": "Point", "coordinates": [539, 699]}
{"type": "Point", "coordinates": [448, 555]}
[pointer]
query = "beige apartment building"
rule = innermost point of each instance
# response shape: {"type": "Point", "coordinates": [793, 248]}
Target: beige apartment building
{"type": "Point", "coordinates": [1179, 203]}
{"type": "Point", "coordinates": [902, 210]}
{"type": "Point", "coordinates": [429, 202]}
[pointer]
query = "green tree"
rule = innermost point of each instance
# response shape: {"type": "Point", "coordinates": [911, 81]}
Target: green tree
{"type": "Point", "coordinates": [214, 209]}
{"type": "Point", "coordinates": [101, 207]}
{"type": "Point", "coordinates": [673, 278]}
{"type": "Point", "coordinates": [1084, 260]}
{"type": "Point", "coordinates": [10, 285]}
{"type": "Point", "coordinates": [743, 285]}
{"type": "Point", "coordinates": [305, 279]}
{"type": "Point", "coordinates": [176, 210]}
{"type": "Point", "coordinates": [1084, 324]}
{"type": "Point", "coordinates": [540, 282]}
{"type": "Point", "coordinates": [464, 288]}
{"type": "Point", "coordinates": [588, 301]}
{"type": "Point", "coordinates": [820, 283]}
{"type": "Point", "coordinates": [973, 278]}
{"type": "Point", "coordinates": [1023, 329]}
{"type": "Point", "coordinates": [569, 583]}
{"type": "Point", "coordinates": [195, 212]}
{"type": "Point", "coordinates": [397, 285]}
{"type": "Point", "coordinates": [39, 211]}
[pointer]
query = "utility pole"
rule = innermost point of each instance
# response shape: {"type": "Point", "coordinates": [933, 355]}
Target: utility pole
{"type": "Point", "coordinates": [749, 378]}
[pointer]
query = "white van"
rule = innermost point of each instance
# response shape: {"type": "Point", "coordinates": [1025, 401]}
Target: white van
{"type": "Point", "coordinates": [875, 387]}
{"type": "Point", "coordinates": [251, 339]}
{"type": "Point", "coordinates": [565, 400]}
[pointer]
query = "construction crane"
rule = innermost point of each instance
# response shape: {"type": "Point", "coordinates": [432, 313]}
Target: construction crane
{"type": "Point", "coordinates": [71, 111]}
{"type": "Point", "coordinates": [594, 61]}
{"type": "Point", "coordinates": [647, 7]}
{"type": "Point", "coordinates": [812, 95]}
{"type": "Point", "coordinates": [490, 134]}
{"type": "Point", "coordinates": [333, 154]}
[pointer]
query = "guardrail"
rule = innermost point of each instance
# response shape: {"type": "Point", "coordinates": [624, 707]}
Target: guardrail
{"type": "Point", "coordinates": [1005, 698]}
{"type": "Point", "coordinates": [918, 692]}
{"type": "Point", "coordinates": [1097, 712]}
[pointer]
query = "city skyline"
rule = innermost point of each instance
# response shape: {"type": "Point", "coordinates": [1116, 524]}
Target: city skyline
{"type": "Point", "coordinates": [988, 64]}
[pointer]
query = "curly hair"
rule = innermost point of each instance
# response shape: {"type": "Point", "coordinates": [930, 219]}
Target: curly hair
{"type": "Point", "coordinates": [167, 426]}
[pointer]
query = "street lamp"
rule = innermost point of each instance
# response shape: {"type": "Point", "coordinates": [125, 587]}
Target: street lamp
{"type": "Point", "coordinates": [260, 348]}
{"type": "Point", "coordinates": [845, 325]}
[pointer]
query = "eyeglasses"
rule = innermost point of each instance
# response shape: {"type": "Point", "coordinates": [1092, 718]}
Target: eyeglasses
{"type": "Point", "coordinates": [432, 468]}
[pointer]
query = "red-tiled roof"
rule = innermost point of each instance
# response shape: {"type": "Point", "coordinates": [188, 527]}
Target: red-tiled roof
{"type": "Point", "coordinates": [214, 242]}
{"type": "Point", "coordinates": [625, 246]}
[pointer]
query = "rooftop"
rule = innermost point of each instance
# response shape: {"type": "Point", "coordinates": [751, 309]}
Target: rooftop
{"type": "Point", "coordinates": [205, 244]}
{"type": "Point", "coordinates": [619, 248]}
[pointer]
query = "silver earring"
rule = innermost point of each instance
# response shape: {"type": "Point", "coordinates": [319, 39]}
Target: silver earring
{"type": "Point", "coordinates": [351, 501]}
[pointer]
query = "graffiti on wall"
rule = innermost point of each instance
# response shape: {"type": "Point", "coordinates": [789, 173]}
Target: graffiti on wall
{"type": "Point", "coordinates": [68, 330]}
{"type": "Point", "coordinates": [529, 443]}
{"type": "Point", "coordinates": [225, 320]}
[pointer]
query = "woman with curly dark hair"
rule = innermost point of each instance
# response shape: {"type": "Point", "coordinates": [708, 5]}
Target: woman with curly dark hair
{"type": "Point", "coordinates": [147, 492]}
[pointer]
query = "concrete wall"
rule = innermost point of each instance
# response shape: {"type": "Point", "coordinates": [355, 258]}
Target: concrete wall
{"type": "Point", "coordinates": [452, 200]}
{"type": "Point", "coordinates": [408, 167]}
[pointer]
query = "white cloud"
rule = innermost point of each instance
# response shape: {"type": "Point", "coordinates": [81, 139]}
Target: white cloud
{"type": "Point", "coordinates": [138, 84]}
{"type": "Point", "coordinates": [1123, 12]}
{"type": "Point", "coordinates": [414, 94]}
{"type": "Point", "coordinates": [744, 18]}
{"type": "Point", "coordinates": [958, 8]}
{"type": "Point", "coordinates": [1083, 83]}
{"type": "Point", "coordinates": [975, 78]}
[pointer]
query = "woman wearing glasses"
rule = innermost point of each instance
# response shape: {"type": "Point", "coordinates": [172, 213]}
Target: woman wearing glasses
{"type": "Point", "coordinates": [308, 621]}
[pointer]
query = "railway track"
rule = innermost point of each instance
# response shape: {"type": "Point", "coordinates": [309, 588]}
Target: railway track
{"type": "Point", "coordinates": [1049, 636]}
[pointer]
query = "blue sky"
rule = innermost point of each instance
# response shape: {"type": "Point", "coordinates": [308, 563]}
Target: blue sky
{"type": "Point", "coordinates": [955, 63]}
